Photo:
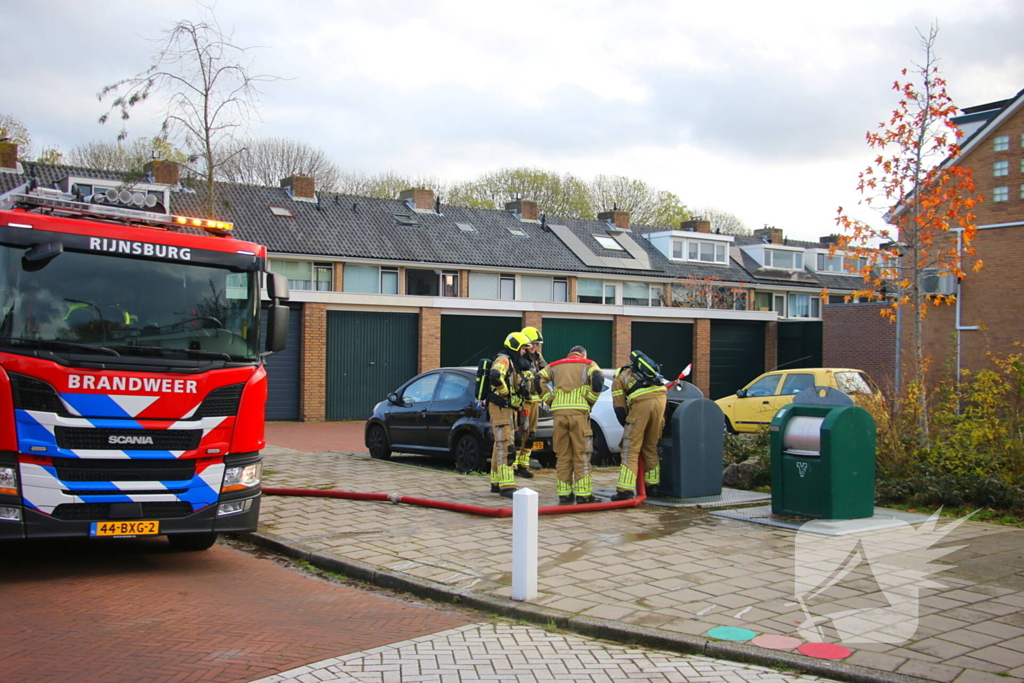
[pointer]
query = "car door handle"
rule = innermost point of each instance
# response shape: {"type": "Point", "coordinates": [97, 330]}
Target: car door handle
{"type": "Point", "coordinates": [765, 402]}
{"type": "Point", "coordinates": [423, 413]}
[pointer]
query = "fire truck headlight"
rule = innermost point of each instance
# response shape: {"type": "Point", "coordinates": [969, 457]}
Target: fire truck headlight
{"type": "Point", "coordinates": [233, 507]}
{"type": "Point", "coordinates": [242, 477]}
{"type": "Point", "coordinates": [8, 481]}
{"type": "Point", "coordinates": [10, 513]}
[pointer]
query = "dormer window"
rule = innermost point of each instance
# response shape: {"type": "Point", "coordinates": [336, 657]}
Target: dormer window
{"type": "Point", "coordinates": [839, 263]}
{"type": "Point", "coordinates": [777, 258]}
{"type": "Point", "coordinates": [608, 242]}
{"type": "Point", "coordinates": [702, 251]}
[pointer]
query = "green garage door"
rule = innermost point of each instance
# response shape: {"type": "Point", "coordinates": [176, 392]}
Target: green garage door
{"type": "Point", "coordinates": [669, 344]}
{"type": "Point", "coordinates": [561, 334]}
{"type": "Point", "coordinates": [368, 356]}
{"type": "Point", "coordinates": [799, 344]}
{"type": "Point", "coordinates": [465, 339]}
{"type": "Point", "coordinates": [737, 355]}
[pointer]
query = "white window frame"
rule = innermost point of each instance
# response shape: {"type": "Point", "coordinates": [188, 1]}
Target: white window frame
{"type": "Point", "coordinates": [608, 242]}
{"type": "Point", "coordinates": [1001, 193]}
{"type": "Point", "coordinates": [720, 251]}
{"type": "Point", "coordinates": [1001, 168]}
{"type": "Point", "coordinates": [389, 271]}
{"type": "Point", "coordinates": [1000, 143]}
{"type": "Point", "coordinates": [452, 275]}
{"type": "Point", "coordinates": [798, 259]}
{"type": "Point", "coordinates": [502, 280]}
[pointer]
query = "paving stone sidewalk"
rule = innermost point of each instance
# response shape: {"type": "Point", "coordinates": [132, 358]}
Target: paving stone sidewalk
{"type": "Point", "coordinates": [650, 572]}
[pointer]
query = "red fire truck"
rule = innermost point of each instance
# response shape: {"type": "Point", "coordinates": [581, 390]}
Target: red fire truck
{"type": "Point", "coordinates": [132, 384]}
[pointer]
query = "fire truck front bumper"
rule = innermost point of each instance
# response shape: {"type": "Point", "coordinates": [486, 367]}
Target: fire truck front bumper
{"type": "Point", "coordinates": [232, 514]}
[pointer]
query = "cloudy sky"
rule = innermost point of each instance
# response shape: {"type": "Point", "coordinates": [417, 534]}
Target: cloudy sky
{"type": "Point", "coordinates": [758, 108]}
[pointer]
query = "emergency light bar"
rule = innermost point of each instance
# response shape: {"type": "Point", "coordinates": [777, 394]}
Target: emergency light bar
{"type": "Point", "coordinates": [46, 198]}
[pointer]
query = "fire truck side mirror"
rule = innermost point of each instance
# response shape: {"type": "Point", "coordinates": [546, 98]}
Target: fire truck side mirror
{"type": "Point", "coordinates": [38, 255]}
{"type": "Point", "coordinates": [277, 287]}
{"type": "Point", "coordinates": [277, 328]}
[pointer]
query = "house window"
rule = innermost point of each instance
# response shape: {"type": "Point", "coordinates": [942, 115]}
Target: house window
{"type": "Point", "coordinates": [1001, 143]}
{"type": "Point", "coordinates": [298, 273]}
{"type": "Point", "coordinates": [420, 282]}
{"type": "Point", "coordinates": [560, 289]}
{"type": "Point", "coordinates": [608, 242]}
{"type": "Point", "coordinates": [804, 306]}
{"type": "Point", "coordinates": [534, 288]}
{"type": "Point", "coordinates": [779, 304]}
{"type": "Point", "coordinates": [791, 260]}
{"type": "Point", "coordinates": [389, 280]}
{"type": "Point", "coordinates": [830, 263]}
{"type": "Point", "coordinates": [609, 293]}
{"type": "Point", "coordinates": [450, 283]}
{"type": "Point", "coordinates": [707, 252]}
{"type": "Point", "coordinates": [636, 294]}
{"type": "Point", "coordinates": [518, 232]}
{"type": "Point", "coordinates": [483, 285]}
{"type": "Point", "coordinates": [1022, 165]}
{"type": "Point", "coordinates": [507, 287]}
{"type": "Point", "coordinates": [589, 291]}
{"type": "Point", "coordinates": [323, 276]}
{"type": "Point", "coordinates": [86, 190]}
{"type": "Point", "coordinates": [1001, 168]}
{"type": "Point", "coordinates": [281, 211]}
{"type": "Point", "coordinates": [1022, 191]}
{"type": "Point", "coordinates": [762, 301]}
{"type": "Point", "coordinates": [465, 227]}
{"type": "Point", "coordinates": [1001, 193]}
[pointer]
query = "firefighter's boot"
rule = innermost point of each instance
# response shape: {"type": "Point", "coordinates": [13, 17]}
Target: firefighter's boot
{"type": "Point", "coordinates": [623, 495]}
{"type": "Point", "coordinates": [523, 472]}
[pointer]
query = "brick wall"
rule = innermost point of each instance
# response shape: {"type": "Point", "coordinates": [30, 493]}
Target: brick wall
{"type": "Point", "coordinates": [702, 355]}
{"type": "Point", "coordinates": [314, 363]}
{"type": "Point", "coordinates": [857, 336]}
{"type": "Point", "coordinates": [300, 186]}
{"type": "Point", "coordinates": [771, 345]}
{"type": "Point", "coordinates": [163, 172]}
{"type": "Point", "coordinates": [339, 277]}
{"type": "Point", "coordinates": [533, 319]}
{"type": "Point", "coordinates": [464, 284]}
{"type": "Point", "coordinates": [430, 339]}
{"type": "Point", "coordinates": [8, 155]}
{"type": "Point", "coordinates": [622, 340]}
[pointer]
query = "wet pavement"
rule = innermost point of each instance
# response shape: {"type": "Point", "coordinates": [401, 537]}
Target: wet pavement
{"type": "Point", "coordinates": [663, 577]}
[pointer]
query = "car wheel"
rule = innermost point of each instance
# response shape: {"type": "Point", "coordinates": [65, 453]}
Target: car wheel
{"type": "Point", "coordinates": [190, 542]}
{"type": "Point", "coordinates": [469, 455]}
{"type": "Point", "coordinates": [729, 428]}
{"type": "Point", "coordinates": [602, 457]}
{"type": "Point", "coordinates": [380, 449]}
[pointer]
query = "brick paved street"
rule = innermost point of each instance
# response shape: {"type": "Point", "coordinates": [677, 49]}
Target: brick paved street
{"type": "Point", "coordinates": [133, 611]}
{"type": "Point", "coordinates": [675, 572]}
{"type": "Point", "coordinates": [525, 654]}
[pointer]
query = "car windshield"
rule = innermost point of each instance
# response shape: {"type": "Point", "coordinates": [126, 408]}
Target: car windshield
{"type": "Point", "coordinates": [853, 383]}
{"type": "Point", "coordinates": [120, 306]}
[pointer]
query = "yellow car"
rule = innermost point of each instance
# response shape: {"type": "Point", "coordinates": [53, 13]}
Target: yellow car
{"type": "Point", "coordinates": [755, 405]}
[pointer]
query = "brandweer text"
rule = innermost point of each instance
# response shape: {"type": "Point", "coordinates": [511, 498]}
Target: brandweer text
{"type": "Point", "coordinates": [152, 385]}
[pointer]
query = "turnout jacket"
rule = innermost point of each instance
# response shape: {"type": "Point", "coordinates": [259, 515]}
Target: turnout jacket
{"type": "Point", "coordinates": [570, 383]}
{"type": "Point", "coordinates": [505, 381]}
{"type": "Point", "coordinates": [630, 387]}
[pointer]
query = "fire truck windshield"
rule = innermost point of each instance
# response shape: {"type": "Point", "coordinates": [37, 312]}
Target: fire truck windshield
{"type": "Point", "coordinates": [77, 302]}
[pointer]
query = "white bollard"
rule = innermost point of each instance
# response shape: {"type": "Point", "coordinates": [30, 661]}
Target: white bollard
{"type": "Point", "coordinates": [524, 544]}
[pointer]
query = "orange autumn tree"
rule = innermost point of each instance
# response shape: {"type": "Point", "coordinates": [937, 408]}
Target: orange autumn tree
{"type": "Point", "coordinates": [928, 202]}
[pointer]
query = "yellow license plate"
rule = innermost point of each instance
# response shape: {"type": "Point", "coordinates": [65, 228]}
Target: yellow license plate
{"type": "Point", "coordinates": [124, 529]}
{"type": "Point", "coordinates": [538, 446]}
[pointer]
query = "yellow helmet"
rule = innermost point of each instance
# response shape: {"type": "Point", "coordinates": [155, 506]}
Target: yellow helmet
{"type": "Point", "coordinates": [533, 334]}
{"type": "Point", "coordinates": [516, 341]}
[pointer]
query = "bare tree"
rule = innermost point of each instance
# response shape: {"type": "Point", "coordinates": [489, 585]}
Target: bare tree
{"type": "Point", "coordinates": [125, 157]}
{"type": "Point", "coordinates": [209, 91]}
{"type": "Point", "coordinates": [646, 205]}
{"type": "Point", "coordinates": [267, 161]}
{"type": "Point", "coordinates": [386, 185]}
{"type": "Point", "coordinates": [15, 131]}
{"type": "Point", "coordinates": [722, 221]}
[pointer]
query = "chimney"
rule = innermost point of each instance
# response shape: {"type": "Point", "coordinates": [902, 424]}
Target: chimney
{"type": "Point", "coordinates": [300, 186]}
{"type": "Point", "coordinates": [525, 209]}
{"type": "Point", "coordinates": [9, 155]}
{"type": "Point", "coordinates": [696, 225]}
{"type": "Point", "coordinates": [162, 172]}
{"type": "Point", "coordinates": [620, 219]}
{"type": "Point", "coordinates": [420, 198]}
{"type": "Point", "coordinates": [773, 235]}
{"type": "Point", "coordinates": [829, 239]}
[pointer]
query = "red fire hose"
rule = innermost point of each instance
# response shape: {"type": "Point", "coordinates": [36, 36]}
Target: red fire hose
{"type": "Point", "coordinates": [470, 509]}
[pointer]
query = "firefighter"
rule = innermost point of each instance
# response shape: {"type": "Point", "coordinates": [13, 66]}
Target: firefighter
{"type": "Point", "coordinates": [528, 414]}
{"type": "Point", "coordinates": [639, 397]}
{"type": "Point", "coordinates": [508, 378]}
{"type": "Point", "coordinates": [571, 386]}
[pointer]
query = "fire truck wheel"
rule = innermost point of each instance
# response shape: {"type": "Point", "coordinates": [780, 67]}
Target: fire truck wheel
{"type": "Point", "coordinates": [189, 542]}
{"type": "Point", "coordinates": [378, 444]}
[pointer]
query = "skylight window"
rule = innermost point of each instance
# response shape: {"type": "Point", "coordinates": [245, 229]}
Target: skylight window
{"type": "Point", "coordinates": [282, 211]}
{"type": "Point", "coordinates": [405, 219]}
{"type": "Point", "coordinates": [465, 227]}
{"type": "Point", "coordinates": [608, 243]}
{"type": "Point", "coordinates": [518, 232]}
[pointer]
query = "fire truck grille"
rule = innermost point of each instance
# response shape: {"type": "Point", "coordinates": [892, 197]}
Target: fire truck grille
{"type": "Point", "coordinates": [73, 469]}
{"type": "Point", "coordinates": [221, 402]}
{"type": "Point", "coordinates": [99, 511]}
{"type": "Point", "coordinates": [85, 438]}
{"type": "Point", "coordinates": [133, 493]}
{"type": "Point", "coordinates": [33, 394]}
